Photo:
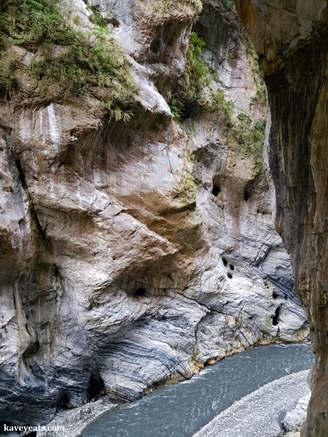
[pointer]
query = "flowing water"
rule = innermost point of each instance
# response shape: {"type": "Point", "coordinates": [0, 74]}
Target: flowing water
{"type": "Point", "coordinates": [181, 409]}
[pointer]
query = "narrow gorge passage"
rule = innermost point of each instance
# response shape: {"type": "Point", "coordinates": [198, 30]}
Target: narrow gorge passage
{"type": "Point", "coordinates": [137, 236]}
{"type": "Point", "coordinates": [181, 409]}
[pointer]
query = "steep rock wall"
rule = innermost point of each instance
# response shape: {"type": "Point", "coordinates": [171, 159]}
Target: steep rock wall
{"type": "Point", "coordinates": [292, 44]}
{"type": "Point", "coordinates": [134, 253]}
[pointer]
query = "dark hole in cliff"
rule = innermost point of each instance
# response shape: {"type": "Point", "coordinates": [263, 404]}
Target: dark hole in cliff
{"type": "Point", "coordinates": [229, 275]}
{"type": "Point", "coordinates": [225, 262]}
{"type": "Point", "coordinates": [155, 46]}
{"type": "Point", "coordinates": [96, 387]}
{"type": "Point", "coordinates": [141, 291]}
{"type": "Point", "coordinates": [4, 94]}
{"type": "Point", "coordinates": [232, 267]}
{"type": "Point", "coordinates": [21, 174]}
{"type": "Point", "coordinates": [190, 110]}
{"type": "Point", "coordinates": [275, 319]}
{"type": "Point", "coordinates": [114, 22]}
{"type": "Point", "coordinates": [63, 402]}
{"type": "Point", "coordinates": [246, 196]}
{"type": "Point", "coordinates": [216, 189]}
{"type": "Point", "coordinates": [275, 295]}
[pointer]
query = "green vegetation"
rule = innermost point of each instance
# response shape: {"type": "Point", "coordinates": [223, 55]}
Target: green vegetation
{"type": "Point", "coordinates": [229, 5]}
{"type": "Point", "coordinates": [30, 23]}
{"type": "Point", "coordinates": [249, 136]}
{"type": "Point", "coordinates": [261, 93]}
{"type": "Point", "coordinates": [199, 73]}
{"type": "Point", "coordinates": [176, 107]}
{"type": "Point", "coordinates": [163, 6]}
{"type": "Point", "coordinates": [68, 63]}
{"type": "Point", "coordinates": [196, 76]}
{"type": "Point", "coordinates": [188, 185]}
{"type": "Point", "coordinates": [199, 86]}
{"type": "Point", "coordinates": [252, 57]}
{"type": "Point", "coordinates": [221, 104]}
{"type": "Point", "coordinates": [97, 18]}
{"type": "Point", "coordinates": [8, 65]}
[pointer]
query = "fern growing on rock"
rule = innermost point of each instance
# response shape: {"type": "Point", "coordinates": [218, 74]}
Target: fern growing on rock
{"type": "Point", "coordinates": [61, 63]}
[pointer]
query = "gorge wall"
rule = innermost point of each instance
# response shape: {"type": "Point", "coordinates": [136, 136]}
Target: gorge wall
{"type": "Point", "coordinates": [291, 40]}
{"type": "Point", "coordinates": [136, 227]}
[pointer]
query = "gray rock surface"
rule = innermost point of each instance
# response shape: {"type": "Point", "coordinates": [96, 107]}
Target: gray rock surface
{"type": "Point", "coordinates": [259, 413]}
{"type": "Point", "coordinates": [132, 254]}
{"type": "Point", "coordinates": [295, 419]}
{"type": "Point", "coordinates": [70, 423]}
{"type": "Point", "coordinates": [292, 42]}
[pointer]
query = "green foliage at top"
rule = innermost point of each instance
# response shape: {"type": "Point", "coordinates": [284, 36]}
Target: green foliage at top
{"type": "Point", "coordinates": [69, 63]}
{"type": "Point", "coordinates": [30, 23]}
{"type": "Point", "coordinates": [199, 86]}
{"type": "Point", "coordinates": [252, 57]}
{"type": "Point", "coordinates": [197, 69]}
{"type": "Point", "coordinates": [249, 136]}
{"type": "Point", "coordinates": [221, 104]}
{"type": "Point", "coordinates": [97, 18]}
{"type": "Point", "coordinates": [196, 76]}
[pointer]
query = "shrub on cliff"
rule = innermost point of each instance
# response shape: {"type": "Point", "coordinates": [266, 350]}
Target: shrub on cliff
{"type": "Point", "coordinates": [64, 63]}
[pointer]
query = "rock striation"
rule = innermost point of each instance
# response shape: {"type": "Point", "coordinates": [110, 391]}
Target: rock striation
{"type": "Point", "coordinates": [134, 253]}
{"type": "Point", "coordinates": [291, 40]}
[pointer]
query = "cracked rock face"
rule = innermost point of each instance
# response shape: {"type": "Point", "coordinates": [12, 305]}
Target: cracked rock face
{"type": "Point", "coordinates": [133, 254]}
{"type": "Point", "coordinates": [292, 42]}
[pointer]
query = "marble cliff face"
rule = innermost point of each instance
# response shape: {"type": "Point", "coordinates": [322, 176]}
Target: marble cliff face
{"type": "Point", "coordinates": [133, 253]}
{"type": "Point", "coordinates": [293, 47]}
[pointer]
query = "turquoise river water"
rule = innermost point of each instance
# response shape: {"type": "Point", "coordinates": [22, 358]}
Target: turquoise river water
{"type": "Point", "coordinates": [181, 409]}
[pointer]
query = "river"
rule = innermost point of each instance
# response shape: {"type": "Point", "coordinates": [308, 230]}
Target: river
{"type": "Point", "coordinates": [181, 409]}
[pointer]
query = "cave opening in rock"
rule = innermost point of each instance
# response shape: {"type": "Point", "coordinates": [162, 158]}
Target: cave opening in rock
{"type": "Point", "coordinates": [63, 402]}
{"type": "Point", "coordinates": [216, 189]}
{"type": "Point", "coordinates": [276, 317]}
{"type": "Point", "coordinates": [139, 292]}
{"type": "Point", "coordinates": [275, 295]}
{"type": "Point", "coordinates": [96, 386]}
{"type": "Point", "coordinates": [229, 275]}
{"type": "Point", "coordinates": [246, 195]}
{"type": "Point", "coordinates": [225, 262]}
{"type": "Point", "coordinates": [155, 46]}
{"type": "Point", "coordinates": [114, 22]}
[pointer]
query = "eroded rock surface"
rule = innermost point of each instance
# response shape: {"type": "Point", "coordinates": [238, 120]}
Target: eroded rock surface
{"type": "Point", "coordinates": [291, 40]}
{"type": "Point", "coordinates": [133, 254]}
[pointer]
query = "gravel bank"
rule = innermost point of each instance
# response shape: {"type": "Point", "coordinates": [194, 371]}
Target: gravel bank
{"type": "Point", "coordinates": [260, 413]}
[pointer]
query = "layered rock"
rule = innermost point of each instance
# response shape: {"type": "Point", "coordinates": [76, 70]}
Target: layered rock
{"type": "Point", "coordinates": [134, 253]}
{"type": "Point", "coordinates": [292, 43]}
